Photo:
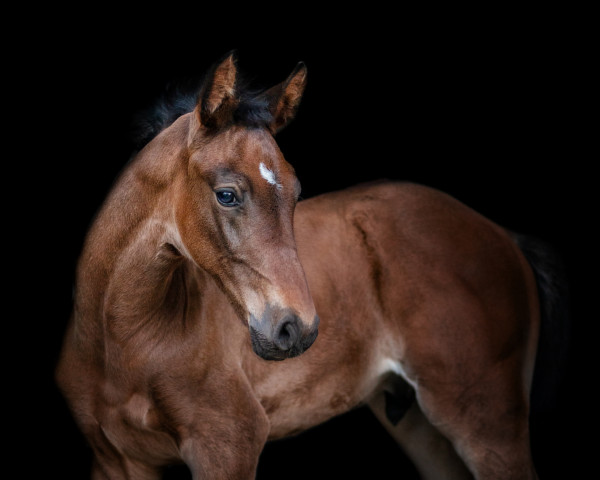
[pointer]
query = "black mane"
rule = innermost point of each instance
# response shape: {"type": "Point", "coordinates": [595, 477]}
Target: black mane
{"type": "Point", "coordinates": [180, 98]}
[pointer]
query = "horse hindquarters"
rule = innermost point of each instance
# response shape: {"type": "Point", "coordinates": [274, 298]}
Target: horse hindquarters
{"type": "Point", "coordinates": [464, 312]}
{"type": "Point", "coordinates": [457, 429]}
{"type": "Point", "coordinates": [473, 381]}
{"type": "Point", "coordinates": [479, 431]}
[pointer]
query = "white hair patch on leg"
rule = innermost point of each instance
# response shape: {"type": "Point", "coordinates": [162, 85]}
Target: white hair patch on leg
{"type": "Point", "coordinates": [269, 176]}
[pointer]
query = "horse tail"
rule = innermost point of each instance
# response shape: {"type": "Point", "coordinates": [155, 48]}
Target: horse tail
{"type": "Point", "coordinates": [555, 331]}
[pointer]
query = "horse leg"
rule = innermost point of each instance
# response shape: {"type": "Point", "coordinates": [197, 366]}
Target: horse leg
{"type": "Point", "coordinates": [486, 421]}
{"type": "Point", "coordinates": [223, 432]}
{"type": "Point", "coordinates": [109, 464]}
{"type": "Point", "coordinates": [125, 469]}
{"type": "Point", "coordinates": [432, 454]}
{"type": "Point", "coordinates": [221, 452]}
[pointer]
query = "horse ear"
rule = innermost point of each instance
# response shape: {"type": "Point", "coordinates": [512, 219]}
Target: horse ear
{"type": "Point", "coordinates": [284, 98]}
{"type": "Point", "coordinates": [218, 96]}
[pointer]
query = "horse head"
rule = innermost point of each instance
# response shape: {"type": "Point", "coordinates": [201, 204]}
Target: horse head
{"type": "Point", "coordinates": [234, 208]}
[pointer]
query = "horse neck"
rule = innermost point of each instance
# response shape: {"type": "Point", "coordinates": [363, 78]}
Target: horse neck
{"type": "Point", "coordinates": [129, 272]}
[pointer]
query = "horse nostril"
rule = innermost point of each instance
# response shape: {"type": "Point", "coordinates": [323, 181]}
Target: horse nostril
{"type": "Point", "coordinates": [288, 333]}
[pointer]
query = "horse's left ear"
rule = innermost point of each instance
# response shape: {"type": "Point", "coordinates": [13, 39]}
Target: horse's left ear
{"type": "Point", "coordinates": [284, 98]}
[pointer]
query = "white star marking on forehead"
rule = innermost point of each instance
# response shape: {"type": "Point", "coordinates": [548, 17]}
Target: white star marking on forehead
{"type": "Point", "coordinates": [269, 176]}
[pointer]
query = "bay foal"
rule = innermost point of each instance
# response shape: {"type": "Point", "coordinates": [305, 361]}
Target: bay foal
{"type": "Point", "coordinates": [195, 276]}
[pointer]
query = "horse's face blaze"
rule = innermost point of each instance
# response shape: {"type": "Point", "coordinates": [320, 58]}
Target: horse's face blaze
{"type": "Point", "coordinates": [234, 213]}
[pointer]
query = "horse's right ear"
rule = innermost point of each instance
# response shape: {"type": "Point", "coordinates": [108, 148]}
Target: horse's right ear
{"type": "Point", "coordinates": [217, 98]}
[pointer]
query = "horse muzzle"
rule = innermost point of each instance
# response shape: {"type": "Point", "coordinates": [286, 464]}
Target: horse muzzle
{"type": "Point", "coordinates": [281, 334]}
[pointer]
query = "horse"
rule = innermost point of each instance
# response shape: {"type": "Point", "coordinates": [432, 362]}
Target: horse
{"type": "Point", "coordinates": [214, 311]}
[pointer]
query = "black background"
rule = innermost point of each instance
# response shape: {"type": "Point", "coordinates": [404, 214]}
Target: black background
{"type": "Point", "coordinates": [487, 106]}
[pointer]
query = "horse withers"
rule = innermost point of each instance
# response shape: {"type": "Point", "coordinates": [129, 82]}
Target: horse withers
{"type": "Point", "coordinates": [200, 270]}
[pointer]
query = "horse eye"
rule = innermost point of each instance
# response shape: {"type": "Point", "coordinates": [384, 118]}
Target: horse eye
{"type": "Point", "coordinates": [227, 198]}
